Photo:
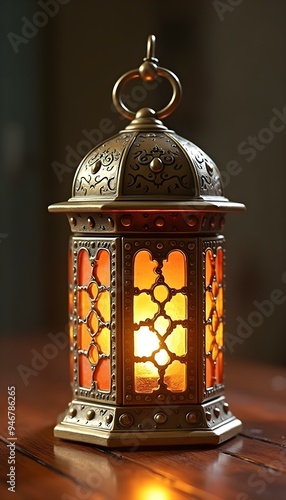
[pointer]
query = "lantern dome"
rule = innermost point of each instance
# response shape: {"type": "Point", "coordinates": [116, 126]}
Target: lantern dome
{"type": "Point", "coordinates": [146, 167]}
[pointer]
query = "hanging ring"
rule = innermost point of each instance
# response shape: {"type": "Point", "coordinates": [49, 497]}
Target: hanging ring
{"type": "Point", "coordinates": [148, 71]}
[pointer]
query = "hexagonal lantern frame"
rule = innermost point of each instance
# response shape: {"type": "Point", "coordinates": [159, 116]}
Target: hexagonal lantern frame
{"type": "Point", "coordinates": [147, 286]}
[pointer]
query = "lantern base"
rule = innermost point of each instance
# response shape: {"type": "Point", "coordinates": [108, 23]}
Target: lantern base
{"type": "Point", "coordinates": [137, 426]}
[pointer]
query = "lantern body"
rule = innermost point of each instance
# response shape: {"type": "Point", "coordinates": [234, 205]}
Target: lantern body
{"type": "Point", "coordinates": [146, 293]}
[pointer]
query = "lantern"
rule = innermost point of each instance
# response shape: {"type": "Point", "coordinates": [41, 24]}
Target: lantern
{"type": "Point", "coordinates": [146, 285]}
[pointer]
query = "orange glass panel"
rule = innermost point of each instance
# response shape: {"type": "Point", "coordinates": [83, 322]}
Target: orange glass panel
{"type": "Point", "coordinates": [161, 325]}
{"type": "Point", "coordinates": [144, 270]}
{"type": "Point", "coordinates": [219, 302]}
{"type": "Point", "coordinates": [209, 304]}
{"type": "Point", "coordinates": [174, 269]}
{"type": "Point", "coordinates": [146, 377]}
{"type": "Point", "coordinates": [93, 322]}
{"type": "Point", "coordinates": [103, 340]}
{"type": "Point", "coordinates": [144, 307]}
{"type": "Point", "coordinates": [93, 290]}
{"type": "Point", "coordinates": [215, 351]}
{"type": "Point", "coordinates": [215, 288]}
{"type": "Point", "coordinates": [84, 338]}
{"type": "Point", "coordinates": [219, 335]}
{"type": "Point", "coordinates": [209, 372]}
{"type": "Point", "coordinates": [176, 308]}
{"type": "Point", "coordinates": [85, 373]}
{"type": "Point", "coordinates": [219, 368]}
{"type": "Point", "coordinates": [101, 270]}
{"type": "Point", "coordinates": [161, 293]}
{"type": "Point", "coordinates": [93, 354]}
{"type": "Point", "coordinates": [84, 269]}
{"type": "Point", "coordinates": [103, 375]}
{"type": "Point", "coordinates": [177, 341]}
{"type": "Point", "coordinates": [210, 267]}
{"type": "Point", "coordinates": [215, 321]}
{"type": "Point", "coordinates": [103, 305]}
{"type": "Point", "coordinates": [209, 339]}
{"type": "Point", "coordinates": [219, 265]}
{"type": "Point", "coordinates": [145, 342]}
{"type": "Point", "coordinates": [176, 376]}
{"type": "Point", "coordinates": [84, 303]}
{"type": "Point", "coordinates": [71, 352]}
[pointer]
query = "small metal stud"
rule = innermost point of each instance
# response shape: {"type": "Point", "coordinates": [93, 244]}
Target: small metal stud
{"type": "Point", "coordinates": [208, 415]}
{"type": "Point", "coordinates": [90, 414]}
{"type": "Point", "coordinates": [126, 419]}
{"type": "Point", "coordinates": [191, 418]}
{"type": "Point", "coordinates": [217, 412]}
{"type": "Point", "coordinates": [160, 418]}
{"type": "Point", "coordinates": [72, 412]}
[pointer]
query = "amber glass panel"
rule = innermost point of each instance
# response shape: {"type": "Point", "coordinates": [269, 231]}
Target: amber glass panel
{"type": "Point", "coordinates": [177, 340]}
{"type": "Point", "coordinates": [103, 305]}
{"type": "Point", "coordinates": [145, 342]}
{"type": "Point", "coordinates": [175, 262]}
{"type": "Point", "coordinates": [175, 376]}
{"type": "Point", "coordinates": [219, 265]}
{"type": "Point", "coordinates": [144, 307]}
{"type": "Point", "coordinates": [93, 322]}
{"type": "Point", "coordinates": [70, 275]}
{"type": "Point", "coordinates": [209, 304]}
{"type": "Point", "coordinates": [85, 373]}
{"type": "Point", "coordinates": [219, 302]}
{"type": "Point", "coordinates": [219, 368]}
{"type": "Point", "coordinates": [161, 325]}
{"type": "Point", "coordinates": [161, 293]}
{"type": "Point", "coordinates": [209, 267]}
{"type": "Point", "coordinates": [146, 377]}
{"type": "Point", "coordinates": [144, 270]}
{"type": "Point", "coordinates": [209, 339]}
{"type": "Point", "coordinates": [103, 340]}
{"type": "Point", "coordinates": [176, 307]}
{"type": "Point", "coordinates": [84, 270]}
{"type": "Point", "coordinates": [93, 290]}
{"type": "Point", "coordinates": [219, 335]}
{"type": "Point", "coordinates": [103, 375]}
{"type": "Point", "coordinates": [209, 372]}
{"type": "Point", "coordinates": [84, 304]}
{"type": "Point", "coordinates": [84, 338]}
{"type": "Point", "coordinates": [162, 358]}
{"type": "Point", "coordinates": [102, 268]}
{"type": "Point", "coordinates": [93, 354]}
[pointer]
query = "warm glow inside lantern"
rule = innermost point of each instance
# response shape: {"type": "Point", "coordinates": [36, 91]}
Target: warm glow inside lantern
{"type": "Point", "coordinates": [146, 286]}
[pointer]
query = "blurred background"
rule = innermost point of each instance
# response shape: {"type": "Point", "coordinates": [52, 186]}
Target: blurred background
{"type": "Point", "coordinates": [59, 62]}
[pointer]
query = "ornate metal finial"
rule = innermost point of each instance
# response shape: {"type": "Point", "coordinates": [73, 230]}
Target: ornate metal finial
{"type": "Point", "coordinates": [148, 71]}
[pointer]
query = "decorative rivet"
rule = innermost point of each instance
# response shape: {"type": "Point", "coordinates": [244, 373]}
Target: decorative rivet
{"type": "Point", "coordinates": [90, 414]}
{"type": "Point", "coordinates": [160, 418]}
{"type": "Point", "coordinates": [159, 222]}
{"type": "Point", "coordinates": [161, 397]}
{"type": "Point", "coordinates": [73, 221]}
{"type": "Point", "coordinates": [226, 407]}
{"type": "Point", "coordinates": [126, 221]}
{"type": "Point", "coordinates": [191, 417]}
{"type": "Point", "coordinates": [109, 418]}
{"type": "Point", "coordinates": [192, 221]}
{"type": "Point", "coordinates": [126, 419]}
{"type": "Point", "coordinates": [72, 412]}
{"type": "Point", "coordinates": [159, 246]}
{"type": "Point", "coordinates": [91, 222]}
{"type": "Point", "coordinates": [156, 165]}
{"type": "Point", "coordinates": [208, 415]}
{"type": "Point", "coordinates": [217, 412]}
{"type": "Point", "coordinates": [110, 221]}
{"type": "Point", "coordinates": [95, 167]}
{"type": "Point", "coordinates": [128, 397]}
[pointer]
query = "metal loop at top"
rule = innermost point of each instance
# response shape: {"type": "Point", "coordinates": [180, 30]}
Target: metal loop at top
{"type": "Point", "coordinates": [134, 73]}
{"type": "Point", "coordinates": [148, 71]}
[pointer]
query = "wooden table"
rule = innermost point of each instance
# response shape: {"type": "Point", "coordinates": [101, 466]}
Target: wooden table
{"type": "Point", "coordinates": [248, 467]}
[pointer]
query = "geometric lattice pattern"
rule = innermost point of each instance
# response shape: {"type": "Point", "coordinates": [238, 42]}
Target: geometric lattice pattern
{"type": "Point", "coordinates": [214, 317]}
{"type": "Point", "coordinates": [160, 320]}
{"type": "Point", "coordinates": [93, 305]}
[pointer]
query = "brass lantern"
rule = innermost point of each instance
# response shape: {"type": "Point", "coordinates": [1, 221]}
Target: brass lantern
{"type": "Point", "coordinates": [146, 286]}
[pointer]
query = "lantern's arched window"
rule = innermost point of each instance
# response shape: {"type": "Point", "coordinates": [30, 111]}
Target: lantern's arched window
{"type": "Point", "coordinates": [159, 313]}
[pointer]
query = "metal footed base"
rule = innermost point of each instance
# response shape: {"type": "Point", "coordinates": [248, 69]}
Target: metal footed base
{"type": "Point", "coordinates": [134, 427]}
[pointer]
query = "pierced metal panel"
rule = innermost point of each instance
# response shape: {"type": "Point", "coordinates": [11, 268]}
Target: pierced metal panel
{"type": "Point", "coordinates": [93, 318]}
{"type": "Point", "coordinates": [159, 310]}
{"type": "Point", "coordinates": [213, 285]}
